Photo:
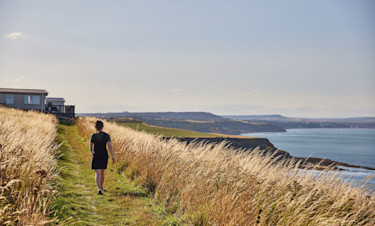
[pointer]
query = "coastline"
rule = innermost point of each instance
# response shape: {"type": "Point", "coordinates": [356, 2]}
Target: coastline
{"type": "Point", "coordinates": [249, 143]}
{"type": "Point", "coordinates": [327, 163]}
{"type": "Point", "coordinates": [348, 147]}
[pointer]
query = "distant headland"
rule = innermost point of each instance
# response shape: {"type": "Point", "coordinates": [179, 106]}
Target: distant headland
{"type": "Point", "coordinates": [235, 124]}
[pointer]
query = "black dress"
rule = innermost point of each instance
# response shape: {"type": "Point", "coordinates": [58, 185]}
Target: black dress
{"type": "Point", "coordinates": [100, 155]}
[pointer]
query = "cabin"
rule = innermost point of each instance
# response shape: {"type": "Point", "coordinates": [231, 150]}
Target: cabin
{"type": "Point", "coordinates": [37, 100]}
{"type": "Point", "coordinates": [56, 106]}
{"type": "Point", "coordinates": [26, 99]}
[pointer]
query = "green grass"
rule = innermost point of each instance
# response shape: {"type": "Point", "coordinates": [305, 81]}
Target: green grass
{"type": "Point", "coordinates": [167, 132]}
{"type": "Point", "coordinates": [124, 203]}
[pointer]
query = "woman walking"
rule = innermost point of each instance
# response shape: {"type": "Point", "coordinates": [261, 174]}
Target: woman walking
{"type": "Point", "coordinates": [99, 142]}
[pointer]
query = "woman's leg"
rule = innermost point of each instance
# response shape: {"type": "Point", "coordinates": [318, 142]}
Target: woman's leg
{"type": "Point", "coordinates": [101, 178]}
{"type": "Point", "coordinates": [98, 178]}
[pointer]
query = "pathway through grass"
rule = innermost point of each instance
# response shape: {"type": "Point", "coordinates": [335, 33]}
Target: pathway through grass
{"type": "Point", "coordinates": [77, 201]}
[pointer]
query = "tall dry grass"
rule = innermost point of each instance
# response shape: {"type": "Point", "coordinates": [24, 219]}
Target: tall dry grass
{"type": "Point", "coordinates": [27, 166]}
{"type": "Point", "coordinates": [216, 185]}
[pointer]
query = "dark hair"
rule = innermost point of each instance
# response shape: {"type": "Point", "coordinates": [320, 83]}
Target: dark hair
{"type": "Point", "coordinates": [99, 125]}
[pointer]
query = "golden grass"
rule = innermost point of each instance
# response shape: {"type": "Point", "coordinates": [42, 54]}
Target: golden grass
{"type": "Point", "coordinates": [27, 166]}
{"type": "Point", "coordinates": [213, 184]}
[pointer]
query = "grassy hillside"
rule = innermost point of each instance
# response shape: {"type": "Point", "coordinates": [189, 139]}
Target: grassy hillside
{"type": "Point", "coordinates": [195, 121]}
{"type": "Point", "coordinates": [159, 182]}
{"type": "Point", "coordinates": [233, 127]}
{"type": "Point", "coordinates": [216, 185]}
{"type": "Point", "coordinates": [196, 116]}
{"type": "Point", "coordinates": [167, 132]}
{"type": "Point", "coordinates": [27, 166]}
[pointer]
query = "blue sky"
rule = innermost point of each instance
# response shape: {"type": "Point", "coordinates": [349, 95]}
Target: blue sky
{"type": "Point", "coordinates": [296, 58]}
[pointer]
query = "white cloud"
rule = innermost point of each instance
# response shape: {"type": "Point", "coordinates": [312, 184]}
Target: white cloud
{"type": "Point", "coordinates": [4, 81]}
{"type": "Point", "coordinates": [19, 79]}
{"type": "Point", "coordinates": [11, 82]}
{"type": "Point", "coordinates": [14, 35]}
{"type": "Point", "coordinates": [176, 90]}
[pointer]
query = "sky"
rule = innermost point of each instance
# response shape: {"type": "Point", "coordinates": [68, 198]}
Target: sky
{"type": "Point", "coordinates": [312, 58]}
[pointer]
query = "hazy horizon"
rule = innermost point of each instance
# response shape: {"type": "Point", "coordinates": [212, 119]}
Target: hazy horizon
{"type": "Point", "coordinates": [312, 59]}
{"type": "Point", "coordinates": [223, 115]}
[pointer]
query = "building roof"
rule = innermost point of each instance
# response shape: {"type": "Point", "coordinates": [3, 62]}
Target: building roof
{"type": "Point", "coordinates": [55, 99]}
{"type": "Point", "coordinates": [28, 91]}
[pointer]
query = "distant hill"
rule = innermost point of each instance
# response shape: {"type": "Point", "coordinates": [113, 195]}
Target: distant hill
{"type": "Point", "coordinates": [256, 117]}
{"type": "Point", "coordinates": [195, 116]}
{"type": "Point", "coordinates": [289, 123]}
{"type": "Point", "coordinates": [353, 119]}
{"type": "Point", "coordinates": [235, 124]}
{"type": "Point", "coordinates": [195, 121]}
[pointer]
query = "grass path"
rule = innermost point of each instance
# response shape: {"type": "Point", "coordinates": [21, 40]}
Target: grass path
{"type": "Point", "coordinates": [77, 201]}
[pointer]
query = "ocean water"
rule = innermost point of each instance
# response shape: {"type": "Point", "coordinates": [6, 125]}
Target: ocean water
{"type": "Point", "coordinates": [354, 146]}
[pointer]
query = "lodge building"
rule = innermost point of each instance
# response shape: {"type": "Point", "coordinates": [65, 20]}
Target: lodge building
{"type": "Point", "coordinates": [37, 100]}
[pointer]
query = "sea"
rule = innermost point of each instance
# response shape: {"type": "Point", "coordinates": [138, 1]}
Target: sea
{"type": "Point", "coordinates": [353, 146]}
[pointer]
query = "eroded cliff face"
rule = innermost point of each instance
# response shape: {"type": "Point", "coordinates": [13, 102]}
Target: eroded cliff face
{"type": "Point", "coordinates": [247, 144]}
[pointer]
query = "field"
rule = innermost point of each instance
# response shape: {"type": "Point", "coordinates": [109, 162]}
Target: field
{"type": "Point", "coordinates": [46, 178]}
{"type": "Point", "coordinates": [212, 184]}
{"type": "Point", "coordinates": [27, 166]}
{"type": "Point", "coordinates": [167, 132]}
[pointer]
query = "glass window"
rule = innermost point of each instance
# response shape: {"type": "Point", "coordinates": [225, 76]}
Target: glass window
{"type": "Point", "coordinates": [32, 99]}
{"type": "Point", "coordinates": [35, 99]}
{"type": "Point", "coordinates": [9, 99]}
{"type": "Point", "coordinates": [27, 99]}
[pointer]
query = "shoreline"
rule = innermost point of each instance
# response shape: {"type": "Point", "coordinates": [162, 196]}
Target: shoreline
{"type": "Point", "coordinates": [310, 138]}
{"type": "Point", "coordinates": [249, 143]}
{"type": "Point", "coordinates": [311, 162]}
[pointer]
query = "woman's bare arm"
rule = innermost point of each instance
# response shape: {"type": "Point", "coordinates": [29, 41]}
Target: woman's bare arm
{"type": "Point", "coordinates": [91, 146]}
{"type": "Point", "coordinates": [111, 150]}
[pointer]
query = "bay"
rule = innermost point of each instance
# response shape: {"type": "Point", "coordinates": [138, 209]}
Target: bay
{"type": "Point", "coordinates": [353, 146]}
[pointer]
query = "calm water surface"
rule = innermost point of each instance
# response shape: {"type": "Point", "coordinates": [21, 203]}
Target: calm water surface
{"type": "Point", "coordinates": [354, 146]}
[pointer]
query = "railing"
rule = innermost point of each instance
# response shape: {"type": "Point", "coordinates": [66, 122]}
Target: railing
{"type": "Point", "coordinates": [69, 109]}
{"type": "Point", "coordinates": [60, 109]}
{"type": "Point", "coordinates": [65, 114]}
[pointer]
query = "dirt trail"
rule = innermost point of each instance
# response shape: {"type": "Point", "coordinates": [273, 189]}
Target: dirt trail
{"type": "Point", "coordinates": [77, 201]}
